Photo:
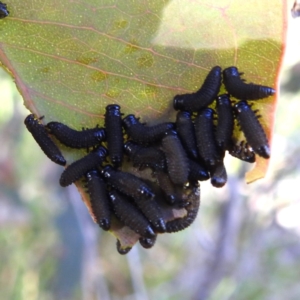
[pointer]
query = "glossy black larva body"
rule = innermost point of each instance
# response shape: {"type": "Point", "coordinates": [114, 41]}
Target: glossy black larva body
{"type": "Point", "coordinates": [130, 215]}
{"type": "Point", "coordinates": [145, 157]}
{"type": "Point", "coordinates": [236, 86]}
{"type": "Point", "coordinates": [179, 224]}
{"type": "Point", "coordinates": [205, 137]}
{"type": "Point", "coordinates": [41, 136]}
{"type": "Point", "coordinates": [127, 183]}
{"type": "Point", "coordinates": [143, 134]}
{"type": "Point", "coordinates": [77, 139]}
{"type": "Point", "coordinates": [99, 199]}
{"type": "Point", "coordinates": [243, 152]}
{"type": "Point", "coordinates": [204, 96]}
{"type": "Point", "coordinates": [114, 134]}
{"type": "Point", "coordinates": [176, 157]}
{"type": "Point", "coordinates": [224, 128]}
{"type": "Point", "coordinates": [252, 129]}
{"type": "Point", "coordinates": [186, 132]}
{"type": "Point", "coordinates": [3, 10]}
{"type": "Point", "coordinates": [80, 167]}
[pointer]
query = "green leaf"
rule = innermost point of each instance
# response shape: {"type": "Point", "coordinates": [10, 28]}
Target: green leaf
{"type": "Point", "coordinates": [70, 59]}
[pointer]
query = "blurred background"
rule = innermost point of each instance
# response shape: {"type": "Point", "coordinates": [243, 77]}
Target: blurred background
{"type": "Point", "coordinates": [245, 243]}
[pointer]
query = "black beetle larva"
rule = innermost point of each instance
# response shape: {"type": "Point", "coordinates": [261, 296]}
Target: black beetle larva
{"type": "Point", "coordinates": [145, 157]}
{"type": "Point", "coordinates": [253, 131]}
{"type": "Point", "coordinates": [143, 134]}
{"type": "Point", "coordinates": [225, 123]}
{"type": "Point", "coordinates": [243, 152]}
{"type": "Point", "coordinates": [186, 132]}
{"type": "Point", "coordinates": [218, 175]}
{"type": "Point", "coordinates": [3, 11]}
{"type": "Point", "coordinates": [99, 199]}
{"type": "Point", "coordinates": [114, 134]}
{"type": "Point", "coordinates": [176, 157]}
{"type": "Point", "coordinates": [236, 86]}
{"type": "Point", "coordinates": [127, 183]}
{"type": "Point", "coordinates": [80, 167]}
{"type": "Point", "coordinates": [130, 215]}
{"type": "Point", "coordinates": [205, 137]}
{"type": "Point", "coordinates": [77, 139]}
{"type": "Point", "coordinates": [204, 96]}
{"type": "Point", "coordinates": [41, 136]}
{"type": "Point", "coordinates": [182, 223]}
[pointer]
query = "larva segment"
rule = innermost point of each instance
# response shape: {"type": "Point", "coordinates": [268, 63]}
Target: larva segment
{"type": "Point", "coordinates": [127, 183]}
{"type": "Point", "coordinates": [186, 132]}
{"type": "Point", "coordinates": [80, 167]}
{"type": "Point", "coordinates": [130, 215]}
{"type": "Point", "coordinates": [99, 199]}
{"type": "Point", "coordinates": [253, 131]}
{"type": "Point", "coordinates": [145, 157]}
{"type": "Point", "coordinates": [42, 138]}
{"type": "Point", "coordinates": [143, 134]}
{"type": "Point", "coordinates": [205, 137]}
{"type": "Point", "coordinates": [77, 139]}
{"type": "Point", "coordinates": [236, 86]}
{"type": "Point", "coordinates": [225, 123]}
{"type": "Point", "coordinates": [177, 160]}
{"type": "Point", "coordinates": [204, 96]}
{"type": "Point", "coordinates": [114, 134]}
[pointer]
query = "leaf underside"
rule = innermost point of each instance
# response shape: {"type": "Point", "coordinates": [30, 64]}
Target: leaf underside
{"type": "Point", "coordinates": [70, 59]}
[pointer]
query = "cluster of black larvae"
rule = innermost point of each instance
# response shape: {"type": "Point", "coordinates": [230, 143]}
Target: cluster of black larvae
{"type": "Point", "coordinates": [178, 155]}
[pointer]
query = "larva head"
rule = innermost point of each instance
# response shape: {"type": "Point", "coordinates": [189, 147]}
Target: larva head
{"type": "Point", "coordinates": [160, 226]}
{"type": "Point", "coordinates": [30, 120]}
{"type": "Point", "coordinates": [145, 192]}
{"type": "Point", "coordinates": [182, 116]}
{"type": "Point", "coordinates": [223, 100]}
{"type": "Point", "coordinates": [263, 151]}
{"type": "Point", "coordinates": [170, 133]}
{"type": "Point", "coordinates": [178, 102]}
{"type": "Point", "coordinates": [3, 10]}
{"type": "Point", "coordinates": [231, 71]}
{"type": "Point", "coordinates": [54, 126]}
{"type": "Point", "coordinates": [100, 134]}
{"type": "Point", "coordinates": [215, 71]}
{"type": "Point", "coordinates": [218, 182]}
{"type": "Point", "coordinates": [92, 174]}
{"type": "Point", "coordinates": [147, 242]}
{"type": "Point", "coordinates": [130, 147]}
{"type": "Point", "coordinates": [106, 171]}
{"type": "Point", "coordinates": [104, 224]}
{"type": "Point", "coordinates": [101, 151]}
{"type": "Point", "coordinates": [130, 120]}
{"type": "Point", "coordinates": [241, 106]}
{"type": "Point", "coordinates": [207, 112]}
{"type": "Point", "coordinates": [171, 199]}
{"type": "Point", "coordinates": [113, 109]}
